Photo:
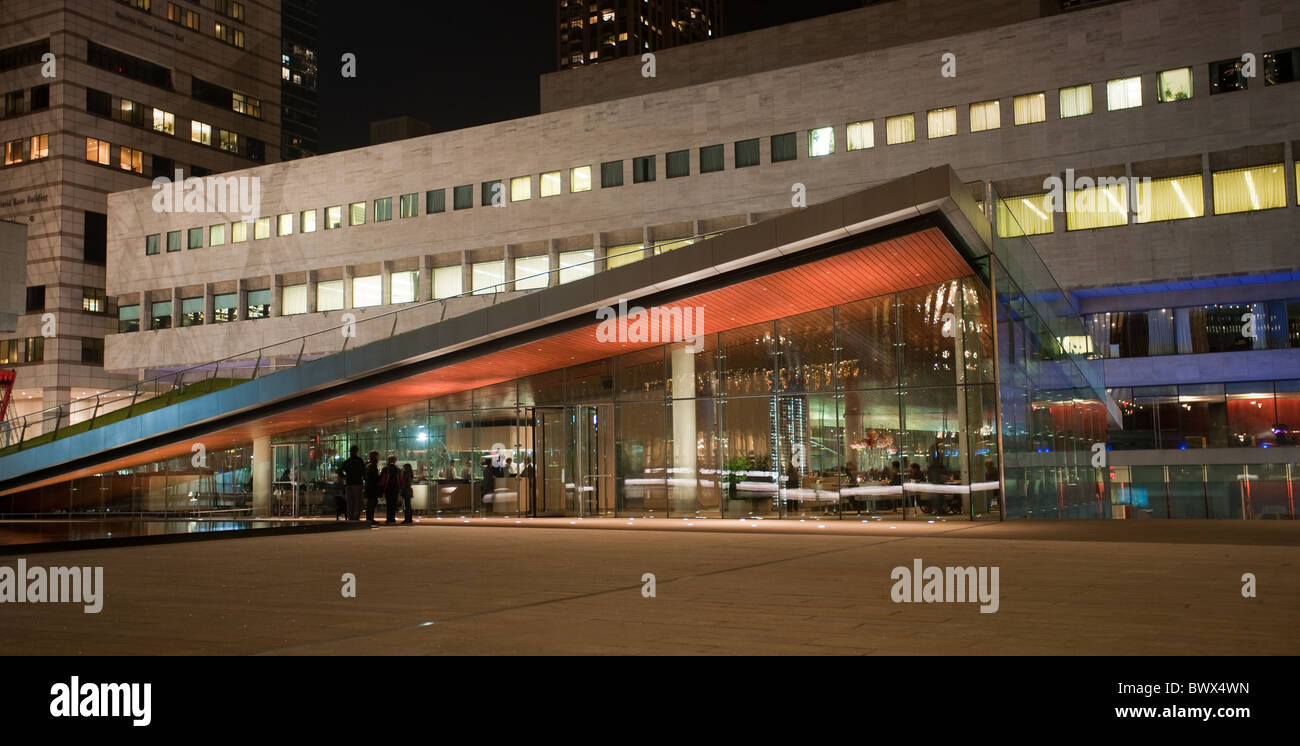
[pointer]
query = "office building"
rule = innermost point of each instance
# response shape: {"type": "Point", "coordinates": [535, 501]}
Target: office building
{"type": "Point", "coordinates": [590, 32]}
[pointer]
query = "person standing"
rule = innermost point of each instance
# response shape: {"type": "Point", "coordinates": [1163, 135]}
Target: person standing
{"type": "Point", "coordinates": [391, 483]}
{"type": "Point", "coordinates": [372, 486]}
{"type": "Point", "coordinates": [408, 491]}
{"type": "Point", "coordinates": [353, 473]}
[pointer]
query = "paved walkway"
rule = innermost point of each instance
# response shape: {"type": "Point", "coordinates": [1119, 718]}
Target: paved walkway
{"type": "Point", "coordinates": [722, 587]}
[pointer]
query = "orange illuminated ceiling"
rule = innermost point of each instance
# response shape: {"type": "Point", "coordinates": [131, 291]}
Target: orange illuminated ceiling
{"type": "Point", "coordinates": [913, 260]}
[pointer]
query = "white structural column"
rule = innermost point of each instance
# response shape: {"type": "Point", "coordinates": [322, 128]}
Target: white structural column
{"type": "Point", "coordinates": [262, 475]}
{"type": "Point", "coordinates": [684, 471]}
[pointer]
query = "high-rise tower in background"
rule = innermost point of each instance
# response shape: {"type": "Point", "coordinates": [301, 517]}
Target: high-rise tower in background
{"type": "Point", "coordinates": [299, 46]}
{"type": "Point", "coordinates": [588, 32]}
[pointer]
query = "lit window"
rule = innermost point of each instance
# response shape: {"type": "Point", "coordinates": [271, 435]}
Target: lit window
{"type": "Point", "coordinates": [259, 304]}
{"type": "Point", "coordinates": [261, 229]}
{"type": "Point", "coordinates": [1025, 215]}
{"type": "Point", "coordinates": [1102, 206]}
{"type": "Point", "coordinates": [246, 105]}
{"type": "Point", "coordinates": [900, 129]}
{"type": "Point", "coordinates": [93, 300]}
{"type": "Point", "coordinates": [225, 307]}
{"type": "Point", "coordinates": [200, 133]}
{"type": "Point", "coordinates": [228, 141]}
{"type": "Point", "coordinates": [405, 286]}
{"type": "Point", "coordinates": [284, 224]}
{"type": "Point", "coordinates": [521, 188]}
{"type": "Point", "coordinates": [1174, 85]}
{"type": "Point", "coordinates": [1172, 198]}
{"type": "Point", "coordinates": [1249, 189]}
{"type": "Point", "coordinates": [357, 213]}
{"type": "Point", "coordinates": [1076, 101]}
{"type": "Point", "coordinates": [39, 147]}
{"type": "Point", "coordinates": [329, 295]}
{"type": "Point", "coordinates": [410, 205]}
{"type": "Point", "coordinates": [14, 151]}
{"type": "Point", "coordinates": [217, 235]}
{"type": "Point", "coordinates": [446, 282]}
{"type": "Point", "coordinates": [96, 150]}
{"type": "Point", "coordinates": [131, 160]}
{"type": "Point", "coordinates": [941, 123]}
{"type": "Point", "coordinates": [617, 256]}
{"type": "Point", "coordinates": [574, 265]}
{"type": "Point", "coordinates": [672, 245]}
{"type": "Point", "coordinates": [985, 115]}
{"type": "Point", "coordinates": [1123, 93]}
{"type": "Point", "coordinates": [580, 179]}
{"type": "Point", "coordinates": [488, 277]}
{"type": "Point", "coordinates": [383, 209]}
{"type": "Point", "coordinates": [862, 135]}
{"type": "Point", "coordinates": [1029, 108]}
{"type": "Point", "coordinates": [367, 291]}
{"type": "Point", "coordinates": [293, 299]}
{"type": "Point", "coordinates": [550, 184]}
{"type": "Point", "coordinates": [333, 217]}
{"type": "Point", "coordinates": [821, 141]}
{"type": "Point", "coordinates": [531, 272]}
{"type": "Point", "coordinates": [238, 232]}
{"type": "Point", "coordinates": [164, 121]}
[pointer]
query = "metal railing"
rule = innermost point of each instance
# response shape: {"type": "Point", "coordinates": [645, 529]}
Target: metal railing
{"type": "Point", "coordinates": [114, 405]}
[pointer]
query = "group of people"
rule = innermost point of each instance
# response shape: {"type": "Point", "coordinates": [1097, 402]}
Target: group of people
{"type": "Point", "coordinates": [370, 480]}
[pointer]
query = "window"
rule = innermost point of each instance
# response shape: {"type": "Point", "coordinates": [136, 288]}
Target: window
{"type": "Point", "coordinates": [128, 319]}
{"type": "Point", "coordinates": [941, 123]}
{"type": "Point", "coordinates": [192, 311]}
{"type": "Point", "coordinates": [447, 282]}
{"type": "Point", "coordinates": [228, 34]}
{"type": "Point", "coordinates": [900, 129]}
{"type": "Point", "coordinates": [14, 151]}
{"type": "Point", "coordinates": [1029, 108]}
{"type": "Point", "coordinates": [1174, 85]}
{"type": "Point", "coordinates": [131, 67]}
{"type": "Point", "coordinates": [225, 307]}
{"type": "Point", "coordinates": [1102, 206]}
{"type": "Point", "coordinates": [357, 213]}
{"type": "Point", "coordinates": [711, 159]}
{"type": "Point", "coordinates": [93, 300]}
{"type": "Point", "coordinates": [672, 245]}
{"type": "Point", "coordinates": [39, 147]}
{"type": "Point", "coordinates": [1249, 189]}
{"type": "Point", "coordinates": [173, 241]}
{"type": "Point", "coordinates": [617, 256]}
{"type": "Point", "coordinates": [435, 201]}
{"type": "Point", "coordinates": [747, 153]}
{"type": "Point", "coordinates": [261, 229]}
{"type": "Point", "coordinates": [329, 295]}
{"type": "Point", "coordinates": [821, 141]}
{"type": "Point", "coordinates": [550, 183]}
{"type": "Point", "coordinates": [611, 174]}
{"type": "Point", "coordinates": [985, 115]}
{"type": "Point", "coordinates": [488, 277]}
{"type": "Point", "coordinates": [132, 160]}
{"type": "Point", "coordinates": [383, 210]}
{"type": "Point", "coordinates": [217, 235]}
{"type": "Point", "coordinates": [1225, 76]}
{"type": "Point", "coordinates": [151, 244]}
{"type": "Point", "coordinates": [15, 103]}
{"type": "Point", "coordinates": [1123, 93]}
{"type": "Point", "coordinates": [200, 133]}
{"type": "Point", "coordinates": [677, 164]}
{"type": "Point", "coordinates": [1076, 101]}
{"type": "Point", "coordinates": [96, 151]}
{"type": "Point", "coordinates": [160, 315]}
{"type": "Point", "coordinates": [101, 103]}
{"type": "Point", "coordinates": [580, 179]}
{"type": "Point", "coordinates": [160, 166]}
{"type": "Point", "coordinates": [40, 97]}
{"type": "Point", "coordinates": [259, 304]}
{"type": "Point", "coordinates": [35, 298]}
{"type": "Point", "coordinates": [861, 135]}
{"type": "Point", "coordinates": [92, 351]}
{"type": "Point", "coordinates": [574, 265]}
{"type": "Point", "coordinates": [35, 350]}
{"type": "Point", "coordinates": [228, 141]}
{"type": "Point", "coordinates": [409, 205]}
{"type": "Point", "coordinates": [643, 169]}
{"type": "Point", "coordinates": [164, 121]}
{"type": "Point", "coordinates": [521, 188]}
{"type": "Point", "coordinates": [246, 105]}
{"type": "Point", "coordinates": [11, 351]}
{"type": "Point", "coordinates": [127, 110]}
{"type": "Point", "coordinates": [293, 299]}
{"type": "Point", "coordinates": [194, 238]}
{"type": "Point", "coordinates": [463, 197]}
{"type": "Point", "coordinates": [231, 8]}
{"type": "Point", "coordinates": [784, 147]}
{"type": "Point", "coordinates": [1172, 198]}
{"type": "Point", "coordinates": [1025, 215]}
{"type": "Point", "coordinates": [1282, 66]}
{"type": "Point", "coordinates": [185, 17]}
{"type": "Point", "coordinates": [238, 232]}
{"type": "Point", "coordinates": [367, 291]}
{"type": "Point", "coordinates": [492, 194]}
{"type": "Point", "coordinates": [531, 272]}
{"type": "Point", "coordinates": [405, 286]}
{"type": "Point", "coordinates": [94, 242]}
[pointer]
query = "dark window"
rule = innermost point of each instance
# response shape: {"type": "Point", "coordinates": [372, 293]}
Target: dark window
{"type": "Point", "coordinates": [35, 350]}
{"type": "Point", "coordinates": [747, 153]}
{"type": "Point", "coordinates": [643, 169]}
{"type": "Point", "coordinates": [1226, 76]}
{"type": "Point", "coordinates": [94, 227]}
{"type": "Point", "coordinates": [23, 55]}
{"type": "Point", "coordinates": [152, 244]}
{"type": "Point", "coordinates": [435, 200]}
{"type": "Point", "coordinates": [1282, 66]}
{"type": "Point", "coordinates": [163, 167]}
{"type": "Point", "coordinates": [92, 351]}
{"type": "Point", "coordinates": [40, 97]}
{"type": "Point", "coordinates": [195, 238]}
{"type": "Point", "coordinates": [784, 148]}
{"type": "Point", "coordinates": [161, 315]}
{"type": "Point", "coordinates": [711, 159]}
{"type": "Point", "coordinates": [14, 103]}
{"type": "Point", "coordinates": [124, 64]}
{"type": "Point", "coordinates": [99, 102]}
{"type": "Point", "coordinates": [256, 150]}
{"type": "Point", "coordinates": [611, 174]}
{"type": "Point", "coordinates": [210, 93]}
{"type": "Point", "coordinates": [36, 298]}
{"type": "Point", "coordinates": [199, 171]}
{"type": "Point", "coordinates": [493, 194]}
{"type": "Point", "coordinates": [173, 241]}
{"type": "Point", "coordinates": [191, 312]}
{"type": "Point", "coordinates": [678, 164]}
{"type": "Point", "coordinates": [463, 197]}
{"type": "Point", "coordinates": [128, 319]}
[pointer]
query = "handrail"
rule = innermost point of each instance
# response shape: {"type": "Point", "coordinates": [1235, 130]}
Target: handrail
{"type": "Point", "coordinates": [178, 378]}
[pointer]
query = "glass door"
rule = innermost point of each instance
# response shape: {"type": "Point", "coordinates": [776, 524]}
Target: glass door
{"type": "Point", "coordinates": [551, 466]}
{"type": "Point", "coordinates": [286, 479]}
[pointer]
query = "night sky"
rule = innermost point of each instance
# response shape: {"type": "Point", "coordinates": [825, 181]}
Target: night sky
{"type": "Point", "coordinates": [457, 65]}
